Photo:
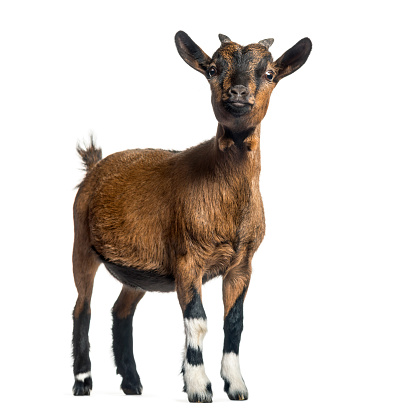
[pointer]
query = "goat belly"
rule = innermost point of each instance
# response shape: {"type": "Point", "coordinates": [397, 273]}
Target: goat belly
{"type": "Point", "coordinates": [147, 280]}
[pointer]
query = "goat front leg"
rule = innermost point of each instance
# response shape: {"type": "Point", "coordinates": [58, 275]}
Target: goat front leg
{"type": "Point", "coordinates": [196, 383]}
{"type": "Point", "coordinates": [235, 285]}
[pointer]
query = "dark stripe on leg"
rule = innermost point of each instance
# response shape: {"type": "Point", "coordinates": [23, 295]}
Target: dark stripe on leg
{"type": "Point", "coordinates": [194, 309]}
{"type": "Point", "coordinates": [194, 356]}
{"type": "Point", "coordinates": [81, 360]}
{"type": "Point", "coordinates": [234, 384]}
{"type": "Point", "coordinates": [233, 326]}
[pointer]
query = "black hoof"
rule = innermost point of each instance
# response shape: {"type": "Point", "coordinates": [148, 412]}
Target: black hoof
{"type": "Point", "coordinates": [82, 388]}
{"type": "Point", "coordinates": [131, 388]}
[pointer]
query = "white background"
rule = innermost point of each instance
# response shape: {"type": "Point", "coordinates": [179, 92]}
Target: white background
{"type": "Point", "coordinates": [328, 314]}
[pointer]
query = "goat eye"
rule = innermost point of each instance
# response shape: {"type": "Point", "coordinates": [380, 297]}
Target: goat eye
{"type": "Point", "coordinates": [269, 75]}
{"type": "Point", "coordinates": [212, 71]}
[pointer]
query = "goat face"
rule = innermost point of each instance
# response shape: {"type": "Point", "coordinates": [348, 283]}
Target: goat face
{"type": "Point", "coordinates": [242, 78]}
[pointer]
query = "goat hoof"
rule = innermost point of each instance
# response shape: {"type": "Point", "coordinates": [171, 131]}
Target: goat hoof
{"type": "Point", "coordinates": [236, 394]}
{"type": "Point", "coordinates": [131, 388]}
{"type": "Point", "coordinates": [201, 397]}
{"type": "Point", "coordinates": [82, 388]}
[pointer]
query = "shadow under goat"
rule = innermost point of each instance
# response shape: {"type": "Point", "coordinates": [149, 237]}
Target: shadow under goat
{"type": "Point", "coordinates": [168, 221]}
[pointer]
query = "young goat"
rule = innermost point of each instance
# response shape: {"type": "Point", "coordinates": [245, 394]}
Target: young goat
{"type": "Point", "coordinates": [170, 221]}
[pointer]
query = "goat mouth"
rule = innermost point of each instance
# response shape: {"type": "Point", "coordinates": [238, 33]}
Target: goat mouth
{"type": "Point", "coordinates": [238, 104]}
{"type": "Point", "coordinates": [238, 108]}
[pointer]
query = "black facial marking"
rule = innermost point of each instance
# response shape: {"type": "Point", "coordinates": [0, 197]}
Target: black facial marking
{"type": "Point", "coordinates": [241, 66]}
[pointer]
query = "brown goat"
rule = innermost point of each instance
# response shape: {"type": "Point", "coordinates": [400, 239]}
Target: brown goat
{"type": "Point", "coordinates": [169, 221]}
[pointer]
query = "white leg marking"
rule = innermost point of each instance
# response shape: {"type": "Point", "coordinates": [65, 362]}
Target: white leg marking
{"type": "Point", "coordinates": [195, 329]}
{"type": "Point", "coordinates": [230, 371]}
{"type": "Point", "coordinates": [81, 377]}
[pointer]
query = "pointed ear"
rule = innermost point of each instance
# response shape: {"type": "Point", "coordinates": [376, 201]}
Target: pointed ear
{"type": "Point", "coordinates": [293, 58]}
{"type": "Point", "coordinates": [191, 53]}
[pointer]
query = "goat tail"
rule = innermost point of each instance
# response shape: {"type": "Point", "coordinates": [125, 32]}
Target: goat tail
{"type": "Point", "coordinates": [90, 155]}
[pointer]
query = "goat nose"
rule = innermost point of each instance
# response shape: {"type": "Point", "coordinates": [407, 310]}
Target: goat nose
{"type": "Point", "coordinates": [238, 90]}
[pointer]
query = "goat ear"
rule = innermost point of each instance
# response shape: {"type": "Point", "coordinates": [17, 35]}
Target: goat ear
{"type": "Point", "coordinates": [191, 53]}
{"type": "Point", "coordinates": [293, 58]}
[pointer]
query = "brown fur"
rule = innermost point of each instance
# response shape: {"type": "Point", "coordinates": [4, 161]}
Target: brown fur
{"type": "Point", "coordinates": [126, 302]}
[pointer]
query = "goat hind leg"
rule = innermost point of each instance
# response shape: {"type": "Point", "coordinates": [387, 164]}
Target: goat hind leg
{"type": "Point", "coordinates": [123, 311]}
{"type": "Point", "coordinates": [85, 264]}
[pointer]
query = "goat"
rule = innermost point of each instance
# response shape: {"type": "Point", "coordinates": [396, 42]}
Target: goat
{"type": "Point", "coordinates": [170, 221]}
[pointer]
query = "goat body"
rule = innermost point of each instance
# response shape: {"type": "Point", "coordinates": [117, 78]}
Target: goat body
{"type": "Point", "coordinates": [170, 221]}
{"type": "Point", "coordinates": [197, 203]}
